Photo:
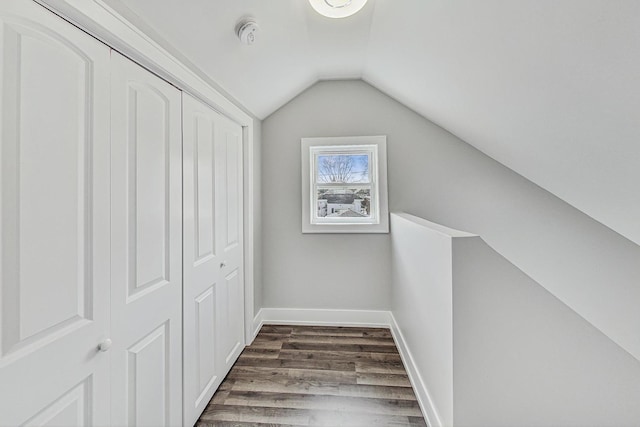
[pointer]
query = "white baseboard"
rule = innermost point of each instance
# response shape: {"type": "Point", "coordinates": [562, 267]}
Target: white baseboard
{"type": "Point", "coordinates": [422, 393]}
{"type": "Point", "coordinates": [321, 317]}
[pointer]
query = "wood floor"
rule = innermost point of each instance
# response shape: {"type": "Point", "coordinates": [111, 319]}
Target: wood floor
{"type": "Point", "coordinates": [316, 376]}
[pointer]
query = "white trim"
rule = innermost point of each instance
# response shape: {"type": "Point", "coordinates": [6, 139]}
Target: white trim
{"type": "Point", "coordinates": [120, 33]}
{"type": "Point", "coordinates": [258, 322]}
{"type": "Point", "coordinates": [422, 392]}
{"type": "Point", "coordinates": [248, 190]}
{"type": "Point", "coordinates": [321, 317]}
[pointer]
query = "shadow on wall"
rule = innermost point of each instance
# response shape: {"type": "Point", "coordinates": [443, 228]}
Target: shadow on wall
{"type": "Point", "coordinates": [505, 352]}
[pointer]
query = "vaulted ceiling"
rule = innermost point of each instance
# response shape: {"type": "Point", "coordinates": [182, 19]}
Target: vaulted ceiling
{"type": "Point", "coordinates": [549, 88]}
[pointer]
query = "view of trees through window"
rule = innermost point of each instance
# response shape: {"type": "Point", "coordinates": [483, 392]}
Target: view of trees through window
{"type": "Point", "coordinates": [343, 168]}
{"type": "Point", "coordinates": [344, 201]}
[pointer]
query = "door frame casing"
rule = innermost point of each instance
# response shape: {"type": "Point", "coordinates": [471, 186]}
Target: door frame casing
{"type": "Point", "coordinates": [122, 34]}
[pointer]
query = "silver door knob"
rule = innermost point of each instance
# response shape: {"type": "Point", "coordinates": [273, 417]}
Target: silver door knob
{"type": "Point", "coordinates": [223, 264]}
{"type": "Point", "coordinates": [105, 345]}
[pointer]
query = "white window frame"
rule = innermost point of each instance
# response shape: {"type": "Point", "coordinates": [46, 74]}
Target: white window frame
{"type": "Point", "coordinates": [376, 148]}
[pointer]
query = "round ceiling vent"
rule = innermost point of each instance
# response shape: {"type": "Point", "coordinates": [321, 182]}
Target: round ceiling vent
{"type": "Point", "coordinates": [337, 8]}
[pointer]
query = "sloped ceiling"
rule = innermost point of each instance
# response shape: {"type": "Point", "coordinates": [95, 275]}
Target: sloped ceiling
{"type": "Point", "coordinates": [549, 88]}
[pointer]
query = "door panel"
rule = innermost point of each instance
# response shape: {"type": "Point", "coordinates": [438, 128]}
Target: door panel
{"type": "Point", "coordinates": [232, 318]}
{"type": "Point", "coordinates": [229, 242]}
{"type": "Point", "coordinates": [148, 370]}
{"type": "Point", "coordinates": [213, 309]}
{"type": "Point", "coordinates": [146, 272]}
{"type": "Point", "coordinates": [149, 172]}
{"type": "Point", "coordinates": [204, 182]}
{"type": "Point", "coordinates": [232, 146]}
{"type": "Point", "coordinates": [71, 409]}
{"type": "Point", "coordinates": [45, 174]}
{"type": "Point", "coordinates": [205, 343]}
{"type": "Point", "coordinates": [148, 188]}
{"type": "Point", "coordinates": [54, 179]}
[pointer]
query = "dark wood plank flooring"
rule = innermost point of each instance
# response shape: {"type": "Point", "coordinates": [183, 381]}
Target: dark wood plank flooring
{"type": "Point", "coordinates": [316, 376]}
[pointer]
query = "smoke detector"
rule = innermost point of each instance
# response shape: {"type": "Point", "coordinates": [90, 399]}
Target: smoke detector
{"type": "Point", "coordinates": [246, 31]}
{"type": "Point", "coordinates": [337, 8]}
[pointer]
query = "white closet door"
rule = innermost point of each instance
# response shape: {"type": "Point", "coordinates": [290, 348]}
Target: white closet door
{"type": "Point", "coordinates": [146, 255]}
{"type": "Point", "coordinates": [213, 279]}
{"type": "Point", "coordinates": [229, 242]}
{"type": "Point", "coordinates": [54, 220]}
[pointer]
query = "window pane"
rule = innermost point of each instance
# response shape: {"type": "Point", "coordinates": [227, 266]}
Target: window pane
{"type": "Point", "coordinates": [344, 203]}
{"type": "Point", "coordinates": [343, 168]}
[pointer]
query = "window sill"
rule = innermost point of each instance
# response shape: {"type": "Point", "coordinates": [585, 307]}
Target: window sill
{"type": "Point", "coordinates": [383, 227]}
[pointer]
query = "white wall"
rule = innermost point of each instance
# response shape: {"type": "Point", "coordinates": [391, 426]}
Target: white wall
{"type": "Point", "coordinates": [491, 347]}
{"type": "Point", "coordinates": [523, 358]}
{"type": "Point", "coordinates": [556, 100]}
{"type": "Point", "coordinates": [422, 305]}
{"type": "Point", "coordinates": [313, 270]}
{"type": "Point", "coordinates": [437, 176]}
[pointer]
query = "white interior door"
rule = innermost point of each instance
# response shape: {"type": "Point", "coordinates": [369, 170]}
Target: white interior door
{"type": "Point", "coordinates": [213, 280]}
{"type": "Point", "coordinates": [54, 220]}
{"type": "Point", "coordinates": [146, 255]}
{"type": "Point", "coordinates": [229, 242]}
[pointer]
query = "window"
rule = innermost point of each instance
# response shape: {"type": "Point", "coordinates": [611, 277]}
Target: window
{"type": "Point", "coordinates": [344, 185]}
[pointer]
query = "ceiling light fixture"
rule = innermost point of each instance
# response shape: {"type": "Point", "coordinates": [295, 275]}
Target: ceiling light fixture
{"type": "Point", "coordinates": [337, 8]}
